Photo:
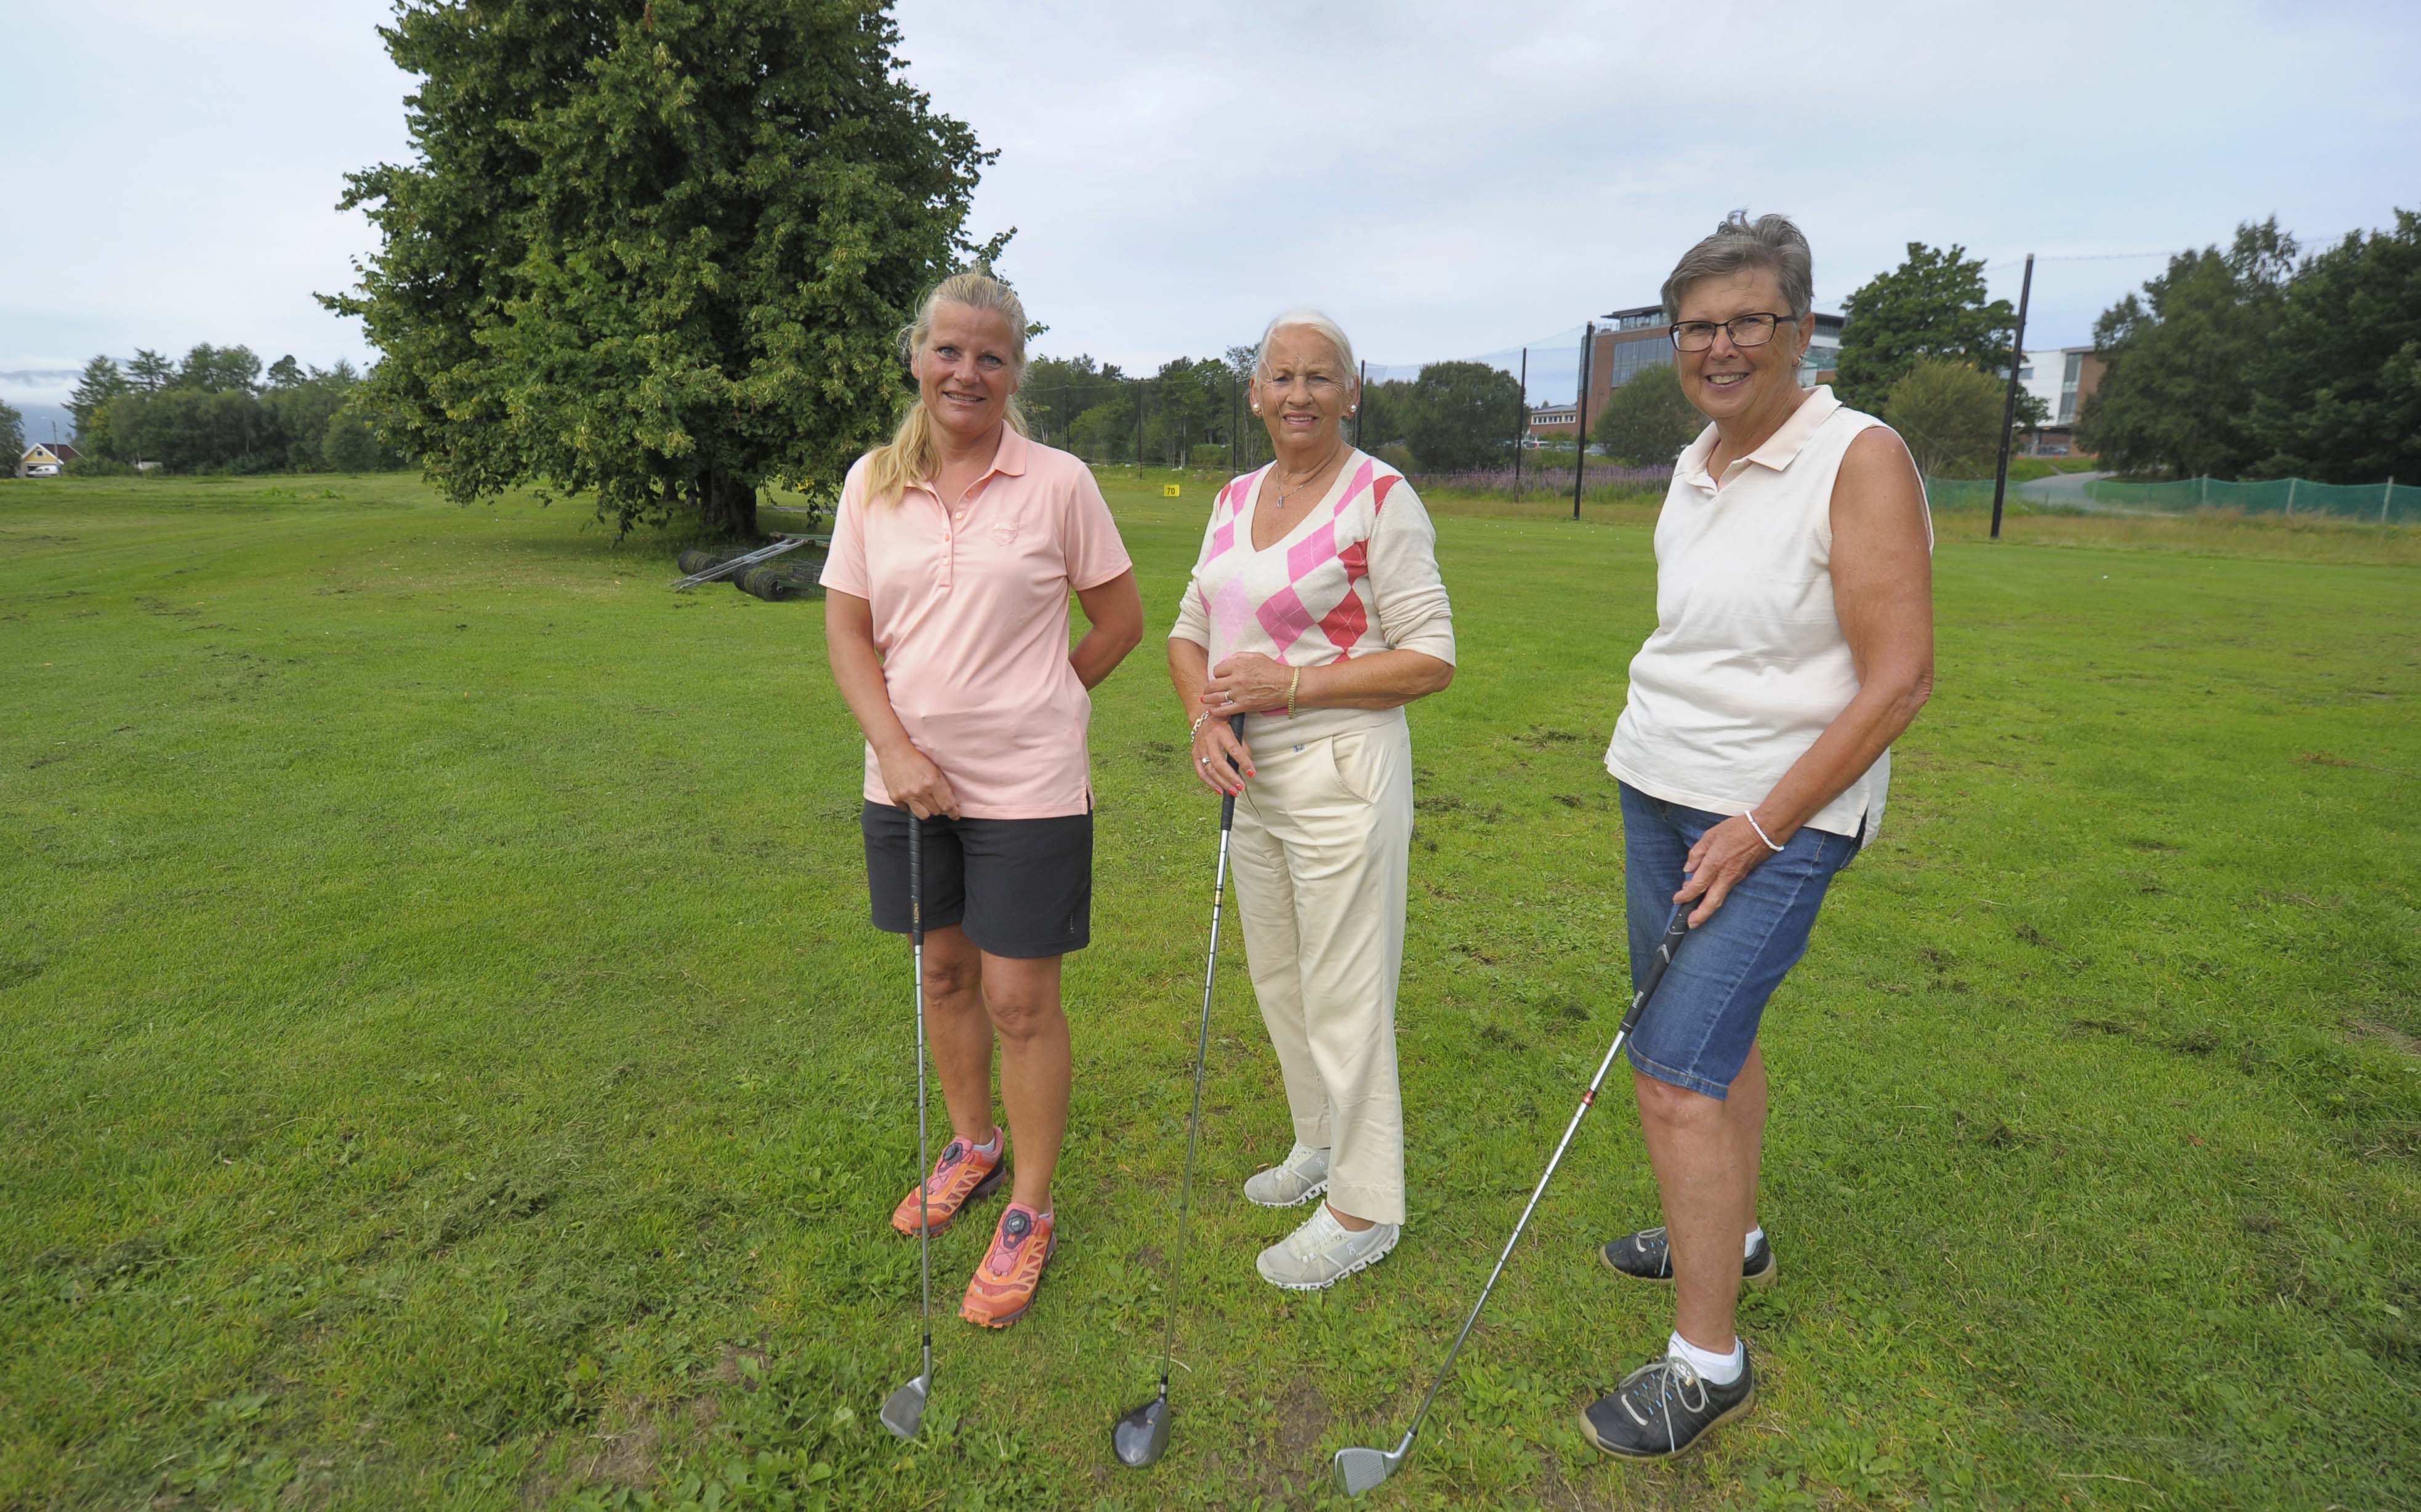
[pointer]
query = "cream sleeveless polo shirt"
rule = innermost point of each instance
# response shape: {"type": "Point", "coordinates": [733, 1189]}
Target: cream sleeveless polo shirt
{"type": "Point", "coordinates": [1748, 664]}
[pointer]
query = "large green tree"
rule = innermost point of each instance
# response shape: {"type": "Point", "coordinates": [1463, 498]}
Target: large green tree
{"type": "Point", "coordinates": [12, 437]}
{"type": "Point", "coordinates": [655, 250]}
{"type": "Point", "coordinates": [1463, 414]}
{"type": "Point", "coordinates": [2337, 395]}
{"type": "Point", "coordinates": [1950, 416]}
{"type": "Point", "coordinates": [1931, 305]}
{"type": "Point", "coordinates": [99, 382]}
{"type": "Point", "coordinates": [2184, 359]}
{"type": "Point", "coordinates": [1648, 420]}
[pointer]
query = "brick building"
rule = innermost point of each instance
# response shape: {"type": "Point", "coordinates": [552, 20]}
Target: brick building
{"type": "Point", "coordinates": [1628, 342]}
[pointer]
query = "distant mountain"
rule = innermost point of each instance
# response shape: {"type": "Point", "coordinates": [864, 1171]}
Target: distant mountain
{"type": "Point", "coordinates": [40, 419]}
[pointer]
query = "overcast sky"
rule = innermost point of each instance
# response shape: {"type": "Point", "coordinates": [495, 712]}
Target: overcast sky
{"type": "Point", "coordinates": [1446, 179]}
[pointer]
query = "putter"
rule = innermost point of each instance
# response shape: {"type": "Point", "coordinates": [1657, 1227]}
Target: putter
{"type": "Point", "coordinates": [1141, 1437]}
{"type": "Point", "coordinates": [1359, 1469]}
{"type": "Point", "coordinates": [903, 1411]}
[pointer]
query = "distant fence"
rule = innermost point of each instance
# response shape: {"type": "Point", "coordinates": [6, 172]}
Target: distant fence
{"type": "Point", "coordinates": [2385, 503]}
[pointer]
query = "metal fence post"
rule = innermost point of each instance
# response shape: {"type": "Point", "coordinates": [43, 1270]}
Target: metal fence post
{"type": "Point", "coordinates": [2385, 495]}
{"type": "Point", "coordinates": [2290, 495]}
{"type": "Point", "coordinates": [2205, 500]}
{"type": "Point", "coordinates": [2010, 405]}
{"type": "Point", "coordinates": [1360, 401]}
{"type": "Point", "coordinates": [1138, 424]}
{"type": "Point", "coordinates": [1580, 441]}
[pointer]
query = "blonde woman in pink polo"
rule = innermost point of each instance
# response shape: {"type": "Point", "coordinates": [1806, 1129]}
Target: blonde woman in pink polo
{"type": "Point", "coordinates": [954, 552]}
{"type": "Point", "coordinates": [1315, 611]}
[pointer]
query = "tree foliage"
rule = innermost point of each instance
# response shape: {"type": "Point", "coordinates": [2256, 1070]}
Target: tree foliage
{"type": "Point", "coordinates": [1465, 414]}
{"type": "Point", "coordinates": [99, 382]}
{"type": "Point", "coordinates": [1950, 416]}
{"type": "Point", "coordinates": [1931, 305]}
{"type": "Point", "coordinates": [2339, 391]}
{"type": "Point", "coordinates": [12, 435]}
{"type": "Point", "coordinates": [1648, 420]}
{"type": "Point", "coordinates": [2184, 358]}
{"type": "Point", "coordinates": [206, 415]}
{"type": "Point", "coordinates": [656, 250]}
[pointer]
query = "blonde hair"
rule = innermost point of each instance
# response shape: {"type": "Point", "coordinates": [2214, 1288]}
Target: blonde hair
{"type": "Point", "coordinates": [911, 455]}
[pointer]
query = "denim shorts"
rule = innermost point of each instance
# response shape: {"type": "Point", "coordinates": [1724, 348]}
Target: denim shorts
{"type": "Point", "coordinates": [1697, 1031]}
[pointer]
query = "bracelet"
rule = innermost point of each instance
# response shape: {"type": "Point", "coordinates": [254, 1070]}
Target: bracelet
{"type": "Point", "coordinates": [1293, 688]}
{"type": "Point", "coordinates": [1751, 817]}
{"type": "Point", "coordinates": [1196, 732]}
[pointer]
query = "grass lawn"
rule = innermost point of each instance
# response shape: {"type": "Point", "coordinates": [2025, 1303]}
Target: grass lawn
{"type": "Point", "coordinates": [448, 1066]}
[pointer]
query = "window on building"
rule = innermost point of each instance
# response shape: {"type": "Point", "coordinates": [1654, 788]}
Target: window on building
{"type": "Point", "coordinates": [2068, 385]}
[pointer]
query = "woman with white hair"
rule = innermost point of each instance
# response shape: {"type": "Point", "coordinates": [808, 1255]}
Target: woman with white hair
{"type": "Point", "coordinates": [955, 550]}
{"type": "Point", "coordinates": [1315, 611]}
{"type": "Point", "coordinates": [1793, 644]}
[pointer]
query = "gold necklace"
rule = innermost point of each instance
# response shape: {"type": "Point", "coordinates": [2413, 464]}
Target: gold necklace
{"type": "Point", "coordinates": [1285, 494]}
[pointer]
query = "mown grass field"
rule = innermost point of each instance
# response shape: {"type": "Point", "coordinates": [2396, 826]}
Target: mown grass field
{"type": "Point", "coordinates": [447, 1066]}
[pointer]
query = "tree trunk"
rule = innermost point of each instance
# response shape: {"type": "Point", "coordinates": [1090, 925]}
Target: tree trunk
{"type": "Point", "coordinates": [728, 506]}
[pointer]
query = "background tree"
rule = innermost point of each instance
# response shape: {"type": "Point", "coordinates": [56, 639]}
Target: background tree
{"type": "Point", "coordinates": [657, 250]}
{"type": "Point", "coordinates": [2337, 390]}
{"type": "Point", "coordinates": [2183, 360]}
{"type": "Point", "coordinates": [12, 438]}
{"type": "Point", "coordinates": [1950, 416]}
{"type": "Point", "coordinates": [99, 382]}
{"type": "Point", "coordinates": [1931, 305]}
{"type": "Point", "coordinates": [148, 371]}
{"type": "Point", "coordinates": [219, 369]}
{"type": "Point", "coordinates": [1648, 420]}
{"type": "Point", "coordinates": [1388, 413]}
{"type": "Point", "coordinates": [1462, 415]}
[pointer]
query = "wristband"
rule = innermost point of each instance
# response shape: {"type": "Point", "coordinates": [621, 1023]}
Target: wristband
{"type": "Point", "coordinates": [1751, 817]}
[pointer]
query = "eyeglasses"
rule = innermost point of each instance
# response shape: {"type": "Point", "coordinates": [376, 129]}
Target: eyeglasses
{"type": "Point", "coordinates": [1744, 330]}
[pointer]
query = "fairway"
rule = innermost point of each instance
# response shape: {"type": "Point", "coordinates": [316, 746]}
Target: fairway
{"type": "Point", "coordinates": [447, 1063]}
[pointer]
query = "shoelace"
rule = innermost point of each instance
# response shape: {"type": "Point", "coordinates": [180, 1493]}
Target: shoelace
{"type": "Point", "coordinates": [1674, 1379]}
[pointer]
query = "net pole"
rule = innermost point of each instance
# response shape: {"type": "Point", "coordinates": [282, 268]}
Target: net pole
{"type": "Point", "coordinates": [2385, 495]}
{"type": "Point", "coordinates": [1361, 398]}
{"type": "Point", "coordinates": [1580, 441]}
{"type": "Point", "coordinates": [2010, 405]}
{"type": "Point", "coordinates": [1521, 422]}
{"type": "Point", "coordinates": [2290, 495]}
{"type": "Point", "coordinates": [1138, 425]}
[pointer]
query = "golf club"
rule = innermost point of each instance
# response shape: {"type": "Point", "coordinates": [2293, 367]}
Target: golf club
{"type": "Point", "coordinates": [1359, 1469]}
{"type": "Point", "coordinates": [904, 1409]}
{"type": "Point", "coordinates": [1141, 1437]}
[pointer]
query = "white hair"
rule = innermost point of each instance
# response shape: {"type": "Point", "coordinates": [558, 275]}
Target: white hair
{"type": "Point", "coordinates": [1313, 321]}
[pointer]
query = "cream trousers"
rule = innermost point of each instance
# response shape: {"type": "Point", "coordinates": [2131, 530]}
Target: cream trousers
{"type": "Point", "coordinates": [1323, 835]}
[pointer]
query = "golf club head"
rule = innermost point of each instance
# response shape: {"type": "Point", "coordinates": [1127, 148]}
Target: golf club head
{"type": "Point", "coordinates": [904, 1409]}
{"type": "Point", "coordinates": [1359, 1469]}
{"type": "Point", "coordinates": [1141, 1437]}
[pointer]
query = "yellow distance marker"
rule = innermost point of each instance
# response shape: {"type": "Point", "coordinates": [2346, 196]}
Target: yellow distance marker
{"type": "Point", "coordinates": [1169, 491]}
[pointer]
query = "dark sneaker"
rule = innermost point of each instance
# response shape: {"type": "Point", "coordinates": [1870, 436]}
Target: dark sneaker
{"type": "Point", "coordinates": [1662, 1408]}
{"type": "Point", "coordinates": [1646, 1256]}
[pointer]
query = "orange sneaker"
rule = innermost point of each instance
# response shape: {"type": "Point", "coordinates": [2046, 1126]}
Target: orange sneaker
{"type": "Point", "coordinates": [1003, 1286]}
{"type": "Point", "coordinates": [963, 1175]}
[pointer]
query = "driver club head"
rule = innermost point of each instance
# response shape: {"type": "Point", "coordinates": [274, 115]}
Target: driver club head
{"type": "Point", "coordinates": [904, 1409]}
{"type": "Point", "coordinates": [1141, 1437]}
{"type": "Point", "coordinates": [1359, 1469]}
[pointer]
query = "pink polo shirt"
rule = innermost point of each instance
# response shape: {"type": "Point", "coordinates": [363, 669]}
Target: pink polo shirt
{"type": "Point", "coordinates": [971, 616]}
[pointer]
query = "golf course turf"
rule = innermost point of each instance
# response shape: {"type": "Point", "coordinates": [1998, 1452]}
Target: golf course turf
{"type": "Point", "coordinates": [447, 1063]}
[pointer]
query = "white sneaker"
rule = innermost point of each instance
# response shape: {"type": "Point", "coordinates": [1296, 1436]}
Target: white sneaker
{"type": "Point", "coordinates": [1325, 1251]}
{"type": "Point", "coordinates": [1293, 1181]}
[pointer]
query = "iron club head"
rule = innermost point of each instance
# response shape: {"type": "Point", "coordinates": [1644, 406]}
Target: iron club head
{"type": "Point", "coordinates": [1360, 1470]}
{"type": "Point", "coordinates": [903, 1411]}
{"type": "Point", "coordinates": [1141, 1437]}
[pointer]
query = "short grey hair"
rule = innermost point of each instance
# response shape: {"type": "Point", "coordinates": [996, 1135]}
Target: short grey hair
{"type": "Point", "coordinates": [1314, 320]}
{"type": "Point", "coordinates": [1740, 244]}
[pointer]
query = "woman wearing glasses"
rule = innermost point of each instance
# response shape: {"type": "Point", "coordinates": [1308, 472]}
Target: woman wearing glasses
{"type": "Point", "coordinates": [1794, 643]}
{"type": "Point", "coordinates": [1316, 612]}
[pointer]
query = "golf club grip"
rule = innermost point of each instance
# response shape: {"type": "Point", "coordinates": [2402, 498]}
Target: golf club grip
{"type": "Point", "coordinates": [1656, 967]}
{"type": "Point", "coordinates": [916, 878]}
{"type": "Point", "coordinates": [1228, 801]}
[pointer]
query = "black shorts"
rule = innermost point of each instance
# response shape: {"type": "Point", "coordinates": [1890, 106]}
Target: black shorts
{"type": "Point", "coordinates": [1021, 888]}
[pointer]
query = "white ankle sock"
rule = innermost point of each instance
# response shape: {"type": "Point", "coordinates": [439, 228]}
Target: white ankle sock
{"type": "Point", "coordinates": [989, 1148]}
{"type": "Point", "coordinates": [1712, 1368]}
{"type": "Point", "coordinates": [1748, 1245]}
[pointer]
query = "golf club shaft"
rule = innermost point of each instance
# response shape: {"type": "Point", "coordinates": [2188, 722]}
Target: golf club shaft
{"type": "Point", "coordinates": [1656, 966]}
{"type": "Point", "coordinates": [923, 1154]}
{"type": "Point", "coordinates": [1201, 1058]}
